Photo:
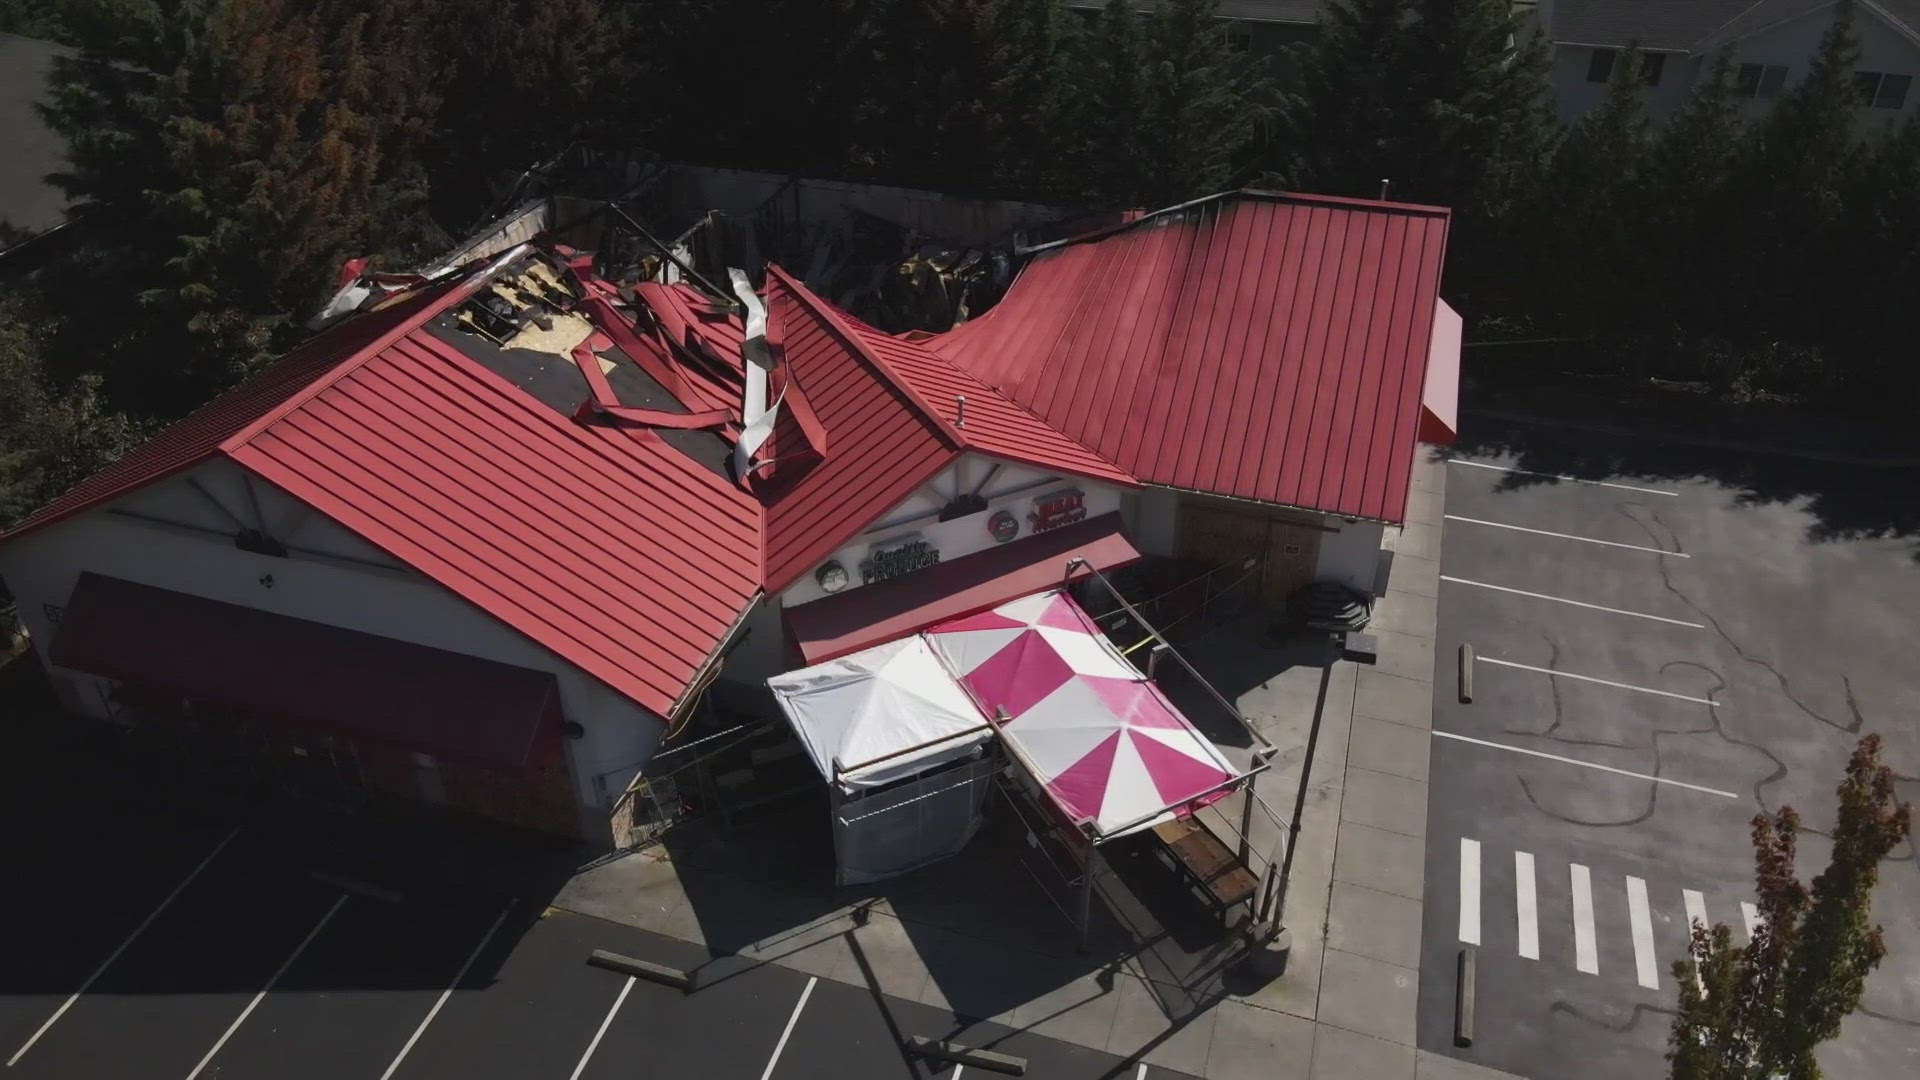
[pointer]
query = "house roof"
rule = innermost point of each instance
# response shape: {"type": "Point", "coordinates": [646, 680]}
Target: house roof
{"type": "Point", "coordinates": [1294, 12]}
{"type": "Point", "coordinates": [1261, 346]}
{"type": "Point", "coordinates": [1693, 25]}
{"type": "Point", "coordinates": [604, 544]}
{"type": "Point", "coordinates": [27, 201]}
{"type": "Point", "coordinates": [890, 409]}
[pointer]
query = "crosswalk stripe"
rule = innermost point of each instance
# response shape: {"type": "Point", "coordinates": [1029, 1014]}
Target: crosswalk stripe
{"type": "Point", "coordinates": [1469, 891]}
{"type": "Point", "coordinates": [1526, 905]}
{"type": "Point", "coordinates": [1751, 916]}
{"type": "Point", "coordinates": [1696, 913]}
{"type": "Point", "coordinates": [1585, 956]}
{"type": "Point", "coordinates": [1646, 964]}
{"type": "Point", "coordinates": [1696, 910]}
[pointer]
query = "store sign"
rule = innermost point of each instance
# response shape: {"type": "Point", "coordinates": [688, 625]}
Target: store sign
{"type": "Point", "coordinates": [1003, 526]}
{"type": "Point", "coordinates": [897, 557]}
{"type": "Point", "coordinates": [1057, 508]}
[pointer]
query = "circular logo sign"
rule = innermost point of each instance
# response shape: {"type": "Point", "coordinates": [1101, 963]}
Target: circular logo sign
{"type": "Point", "coordinates": [1004, 526]}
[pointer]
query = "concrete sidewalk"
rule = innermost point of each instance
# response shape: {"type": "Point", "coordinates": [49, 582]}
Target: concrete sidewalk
{"type": "Point", "coordinates": [1344, 1011]}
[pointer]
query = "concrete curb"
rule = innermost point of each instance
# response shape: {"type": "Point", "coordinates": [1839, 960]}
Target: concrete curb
{"type": "Point", "coordinates": [642, 969]}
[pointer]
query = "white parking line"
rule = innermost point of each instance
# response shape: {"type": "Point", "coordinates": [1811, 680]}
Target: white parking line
{"type": "Point", "coordinates": [1569, 536]}
{"type": "Point", "coordinates": [1470, 891]}
{"type": "Point", "coordinates": [1585, 956]}
{"type": "Point", "coordinates": [115, 954]}
{"type": "Point", "coordinates": [282, 970]}
{"type": "Point", "coordinates": [1562, 476]}
{"type": "Point", "coordinates": [781, 1046]}
{"type": "Point", "coordinates": [448, 992]}
{"type": "Point", "coordinates": [1586, 764]}
{"type": "Point", "coordinates": [1556, 672]}
{"type": "Point", "coordinates": [605, 1022]}
{"type": "Point", "coordinates": [1575, 603]}
{"type": "Point", "coordinates": [1526, 905]}
{"type": "Point", "coordinates": [1646, 964]}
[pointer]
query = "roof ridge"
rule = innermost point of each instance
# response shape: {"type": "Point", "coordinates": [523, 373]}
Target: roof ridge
{"type": "Point", "coordinates": [1234, 193]}
{"type": "Point", "coordinates": [851, 338]}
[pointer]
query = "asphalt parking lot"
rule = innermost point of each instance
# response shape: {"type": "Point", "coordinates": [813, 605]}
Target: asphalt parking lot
{"type": "Point", "coordinates": [162, 947]}
{"type": "Point", "coordinates": [1660, 655]}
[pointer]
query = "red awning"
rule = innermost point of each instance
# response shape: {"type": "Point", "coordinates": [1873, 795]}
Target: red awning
{"type": "Point", "coordinates": [872, 614]}
{"type": "Point", "coordinates": [448, 704]}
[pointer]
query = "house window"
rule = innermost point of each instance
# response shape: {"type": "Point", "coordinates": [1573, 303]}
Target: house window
{"type": "Point", "coordinates": [1600, 67]}
{"type": "Point", "coordinates": [1239, 37]}
{"type": "Point", "coordinates": [1879, 90]}
{"type": "Point", "coordinates": [1760, 80]}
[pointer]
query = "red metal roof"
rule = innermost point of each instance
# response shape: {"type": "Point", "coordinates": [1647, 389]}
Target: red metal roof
{"type": "Point", "coordinates": [837, 625]}
{"type": "Point", "coordinates": [889, 410]}
{"type": "Point", "coordinates": [881, 445]}
{"type": "Point", "coordinates": [601, 543]}
{"type": "Point", "coordinates": [1262, 346]}
{"type": "Point", "coordinates": [199, 435]}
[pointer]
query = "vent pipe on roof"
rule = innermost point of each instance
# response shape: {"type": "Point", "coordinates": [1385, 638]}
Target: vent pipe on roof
{"type": "Point", "coordinates": [959, 410]}
{"type": "Point", "coordinates": [1383, 188]}
{"type": "Point", "coordinates": [756, 416]}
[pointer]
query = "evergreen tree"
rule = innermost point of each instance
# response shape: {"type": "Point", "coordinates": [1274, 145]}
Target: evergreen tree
{"type": "Point", "coordinates": [1689, 219]}
{"type": "Point", "coordinates": [1880, 320]}
{"type": "Point", "coordinates": [50, 437]}
{"type": "Point", "coordinates": [1344, 122]}
{"type": "Point", "coordinates": [1483, 125]}
{"type": "Point", "coordinates": [1760, 1011]}
{"type": "Point", "coordinates": [527, 80]}
{"type": "Point", "coordinates": [225, 157]}
{"type": "Point", "coordinates": [1108, 109]}
{"type": "Point", "coordinates": [1204, 104]}
{"type": "Point", "coordinates": [1791, 183]}
{"type": "Point", "coordinates": [1028, 42]}
{"type": "Point", "coordinates": [1587, 228]}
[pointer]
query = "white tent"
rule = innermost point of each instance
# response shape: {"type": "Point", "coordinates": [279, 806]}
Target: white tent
{"type": "Point", "coordinates": [898, 741]}
{"type": "Point", "coordinates": [875, 716]}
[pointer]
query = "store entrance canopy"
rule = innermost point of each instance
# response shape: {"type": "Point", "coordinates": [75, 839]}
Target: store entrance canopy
{"type": "Point", "coordinates": [1109, 747]}
{"type": "Point", "coordinates": [448, 704]}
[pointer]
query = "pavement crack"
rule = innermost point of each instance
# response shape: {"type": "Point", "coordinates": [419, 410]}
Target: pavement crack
{"type": "Point", "coordinates": [1889, 1018]}
{"type": "Point", "coordinates": [1640, 1012]}
{"type": "Point", "coordinates": [1786, 685]}
{"type": "Point", "coordinates": [1653, 796]}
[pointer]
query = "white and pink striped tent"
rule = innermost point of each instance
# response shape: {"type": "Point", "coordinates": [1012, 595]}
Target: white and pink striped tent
{"type": "Point", "coordinates": [1107, 744]}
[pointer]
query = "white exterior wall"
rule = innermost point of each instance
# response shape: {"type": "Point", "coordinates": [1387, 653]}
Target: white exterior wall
{"type": "Point", "coordinates": [1013, 488]}
{"type": "Point", "coordinates": [1792, 44]}
{"type": "Point", "coordinates": [1573, 95]}
{"type": "Point", "coordinates": [1796, 43]}
{"type": "Point", "coordinates": [1351, 555]}
{"type": "Point", "coordinates": [43, 567]}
